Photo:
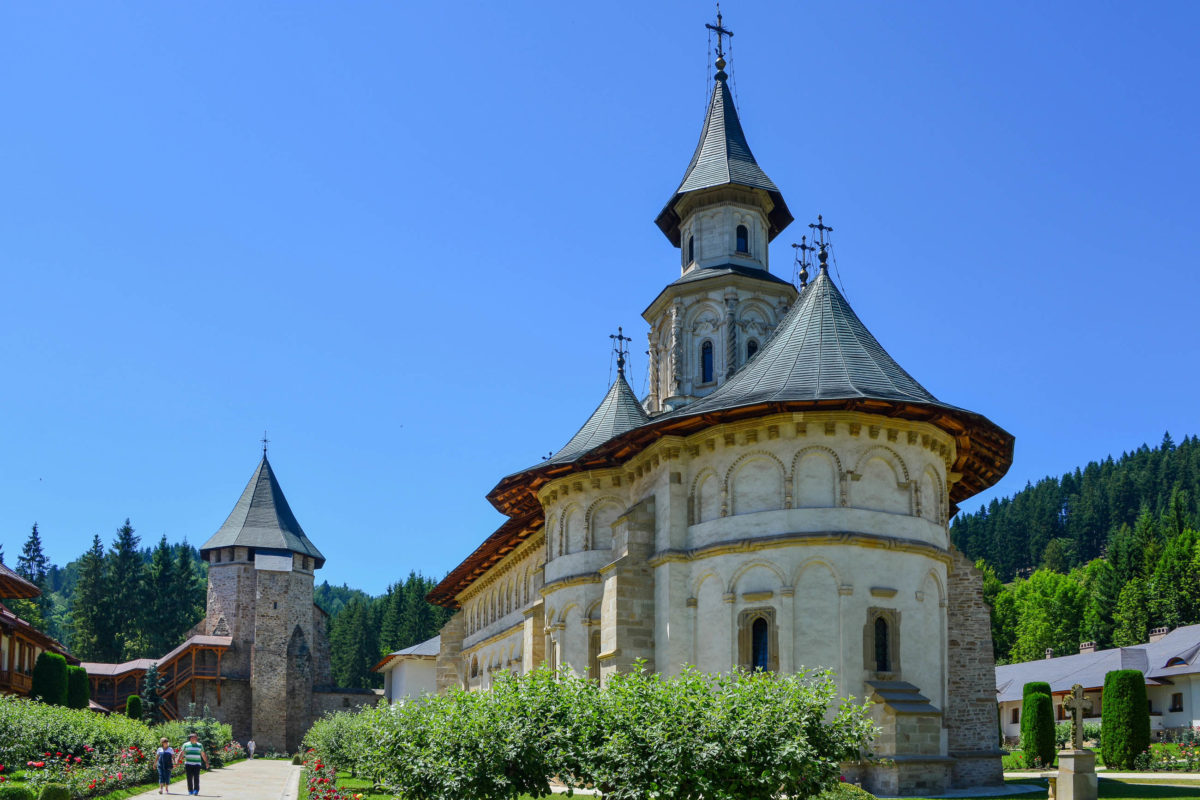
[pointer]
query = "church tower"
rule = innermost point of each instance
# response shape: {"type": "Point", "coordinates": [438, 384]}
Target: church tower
{"type": "Point", "coordinates": [726, 302]}
{"type": "Point", "coordinates": [260, 593]}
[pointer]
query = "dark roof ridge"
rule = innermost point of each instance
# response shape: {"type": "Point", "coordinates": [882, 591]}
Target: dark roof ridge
{"type": "Point", "coordinates": [263, 519]}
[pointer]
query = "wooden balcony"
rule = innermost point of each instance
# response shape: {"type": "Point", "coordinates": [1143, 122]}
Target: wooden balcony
{"type": "Point", "coordinates": [15, 682]}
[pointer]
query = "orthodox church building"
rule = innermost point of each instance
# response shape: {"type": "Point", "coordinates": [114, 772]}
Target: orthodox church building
{"type": "Point", "coordinates": [780, 499]}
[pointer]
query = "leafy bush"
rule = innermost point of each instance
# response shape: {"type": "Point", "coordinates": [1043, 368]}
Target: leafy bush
{"type": "Point", "coordinates": [29, 730]}
{"type": "Point", "coordinates": [16, 792]}
{"type": "Point", "coordinates": [1125, 718]}
{"type": "Point", "coordinates": [79, 691]}
{"type": "Point", "coordinates": [846, 791]}
{"type": "Point", "coordinates": [741, 736]}
{"type": "Point", "coordinates": [1091, 731]}
{"type": "Point", "coordinates": [50, 679]}
{"type": "Point", "coordinates": [55, 791]}
{"type": "Point", "coordinates": [1037, 729]}
{"type": "Point", "coordinates": [133, 707]}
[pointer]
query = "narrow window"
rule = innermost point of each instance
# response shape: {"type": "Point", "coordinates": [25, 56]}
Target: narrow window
{"type": "Point", "coordinates": [751, 349]}
{"type": "Point", "coordinates": [1177, 701]}
{"type": "Point", "coordinates": [706, 362]}
{"type": "Point", "coordinates": [883, 660]}
{"type": "Point", "coordinates": [691, 249]}
{"type": "Point", "coordinates": [760, 648]}
{"type": "Point", "coordinates": [594, 656]}
{"type": "Point", "coordinates": [743, 239]}
{"type": "Point", "coordinates": [1016, 715]}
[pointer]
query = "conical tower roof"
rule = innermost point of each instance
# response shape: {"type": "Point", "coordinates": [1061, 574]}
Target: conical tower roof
{"type": "Point", "coordinates": [262, 519]}
{"type": "Point", "coordinates": [722, 158]}
{"type": "Point", "coordinates": [617, 413]}
{"type": "Point", "coordinates": [820, 351]}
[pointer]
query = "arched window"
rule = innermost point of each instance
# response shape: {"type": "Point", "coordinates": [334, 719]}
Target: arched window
{"type": "Point", "coordinates": [691, 249]}
{"type": "Point", "coordinates": [760, 645]}
{"type": "Point", "coordinates": [883, 657]}
{"type": "Point", "coordinates": [751, 349]}
{"type": "Point", "coordinates": [743, 239]}
{"type": "Point", "coordinates": [706, 362]}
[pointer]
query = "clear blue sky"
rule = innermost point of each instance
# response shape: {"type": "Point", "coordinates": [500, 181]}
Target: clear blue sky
{"type": "Point", "coordinates": [397, 237]}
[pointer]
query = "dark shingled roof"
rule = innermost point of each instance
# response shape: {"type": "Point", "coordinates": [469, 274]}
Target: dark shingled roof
{"type": "Point", "coordinates": [723, 157]}
{"type": "Point", "coordinates": [262, 519]}
{"type": "Point", "coordinates": [820, 351]}
{"type": "Point", "coordinates": [619, 412]}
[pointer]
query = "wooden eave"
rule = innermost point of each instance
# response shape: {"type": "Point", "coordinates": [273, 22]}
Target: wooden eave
{"type": "Point", "coordinates": [984, 452]}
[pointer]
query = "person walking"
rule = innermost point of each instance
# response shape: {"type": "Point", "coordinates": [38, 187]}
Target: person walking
{"type": "Point", "coordinates": [164, 759]}
{"type": "Point", "coordinates": [250, 749]}
{"type": "Point", "coordinates": [193, 756]}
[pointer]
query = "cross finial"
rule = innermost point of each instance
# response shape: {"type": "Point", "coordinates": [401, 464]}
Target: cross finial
{"type": "Point", "coordinates": [821, 228]}
{"type": "Point", "coordinates": [1077, 704]}
{"type": "Point", "coordinates": [265, 442]}
{"type": "Point", "coordinates": [619, 340]}
{"type": "Point", "coordinates": [802, 259]}
{"type": "Point", "coordinates": [721, 31]}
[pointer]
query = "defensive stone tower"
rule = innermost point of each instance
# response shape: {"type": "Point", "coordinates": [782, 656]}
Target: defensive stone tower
{"type": "Point", "coordinates": [260, 593]}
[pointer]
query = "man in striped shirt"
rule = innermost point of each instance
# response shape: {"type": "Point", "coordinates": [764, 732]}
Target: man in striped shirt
{"type": "Point", "coordinates": [192, 755]}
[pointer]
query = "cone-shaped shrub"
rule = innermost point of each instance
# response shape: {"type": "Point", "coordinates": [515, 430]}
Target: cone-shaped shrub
{"type": "Point", "coordinates": [79, 692]}
{"type": "Point", "coordinates": [1037, 728]}
{"type": "Point", "coordinates": [1035, 686]}
{"type": "Point", "coordinates": [50, 679]}
{"type": "Point", "coordinates": [133, 707]}
{"type": "Point", "coordinates": [1124, 718]}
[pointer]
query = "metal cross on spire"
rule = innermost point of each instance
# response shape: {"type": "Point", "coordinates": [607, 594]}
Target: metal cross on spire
{"type": "Point", "coordinates": [821, 228]}
{"type": "Point", "coordinates": [802, 259]}
{"type": "Point", "coordinates": [265, 442]}
{"type": "Point", "coordinates": [620, 348]}
{"type": "Point", "coordinates": [721, 31]}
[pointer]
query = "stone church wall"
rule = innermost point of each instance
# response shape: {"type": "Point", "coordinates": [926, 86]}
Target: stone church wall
{"type": "Point", "coordinates": [971, 724]}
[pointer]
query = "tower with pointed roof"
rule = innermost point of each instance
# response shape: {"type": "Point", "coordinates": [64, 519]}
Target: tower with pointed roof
{"type": "Point", "coordinates": [260, 594]}
{"type": "Point", "coordinates": [723, 307]}
{"type": "Point", "coordinates": [778, 507]}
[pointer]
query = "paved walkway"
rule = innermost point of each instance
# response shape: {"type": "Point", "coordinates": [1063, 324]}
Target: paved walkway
{"type": "Point", "coordinates": [260, 779]}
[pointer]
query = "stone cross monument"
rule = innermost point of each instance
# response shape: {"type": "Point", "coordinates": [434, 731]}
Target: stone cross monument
{"type": "Point", "coordinates": [1077, 766]}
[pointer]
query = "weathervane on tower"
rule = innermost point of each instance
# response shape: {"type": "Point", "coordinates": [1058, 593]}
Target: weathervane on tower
{"type": "Point", "coordinates": [619, 347]}
{"type": "Point", "coordinates": [721, 31]}
{"type": "Point", "coordinates": [265, 442]}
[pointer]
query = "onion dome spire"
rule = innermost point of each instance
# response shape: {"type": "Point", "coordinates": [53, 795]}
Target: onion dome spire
{"type": "Point", "coordinates": [723, 157]}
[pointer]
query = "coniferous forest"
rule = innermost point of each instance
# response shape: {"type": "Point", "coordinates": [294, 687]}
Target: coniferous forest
{"type": "Point", "coordinates": [1103, 554]}
{"type": "Point", "coordinates": [124, 601]}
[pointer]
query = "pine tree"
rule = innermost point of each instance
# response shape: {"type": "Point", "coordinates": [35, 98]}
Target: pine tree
{"type": "Point", "coordinates": [1100, 581]}
{"type": "Point", "coordinates": [127, 583]}
{"type": "Point", "coordinates": [1132, 620]}
{"type": "Point", "coordinates": [152, 699]}
{"type": "Point", "coordinates": [349, 646]}
{"type": "Point", "coordinates": [92, 635]}
{"type": "Point", "coordinates": [162, 600]}
{"type": "Point", "coordinates": [32, 565]}
{"type": "Point", "coordinates": [189, 599]}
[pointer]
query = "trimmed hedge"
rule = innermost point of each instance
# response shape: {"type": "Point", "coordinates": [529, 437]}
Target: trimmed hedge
{"type": "Point", "coordinates": [79, 691]}
{"type": "Point", "coordinates": [16, 792]}
{"type": "Point", "coordinates": [1035, 687]}
{"type": "Point", "coordinates": [1037, 728]}
{"type": "Point", "coordinates": [55, 791]}
{"type": "Point", "coordinates": [133, 707]}
{"type": "Point", "coordinates": [1124, 718]}
{"type": "Point", "coordinates": [50, 679]}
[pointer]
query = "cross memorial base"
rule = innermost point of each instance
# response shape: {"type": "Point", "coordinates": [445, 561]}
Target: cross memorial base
{"type": "Point", "coordinates": [1076, 775]}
